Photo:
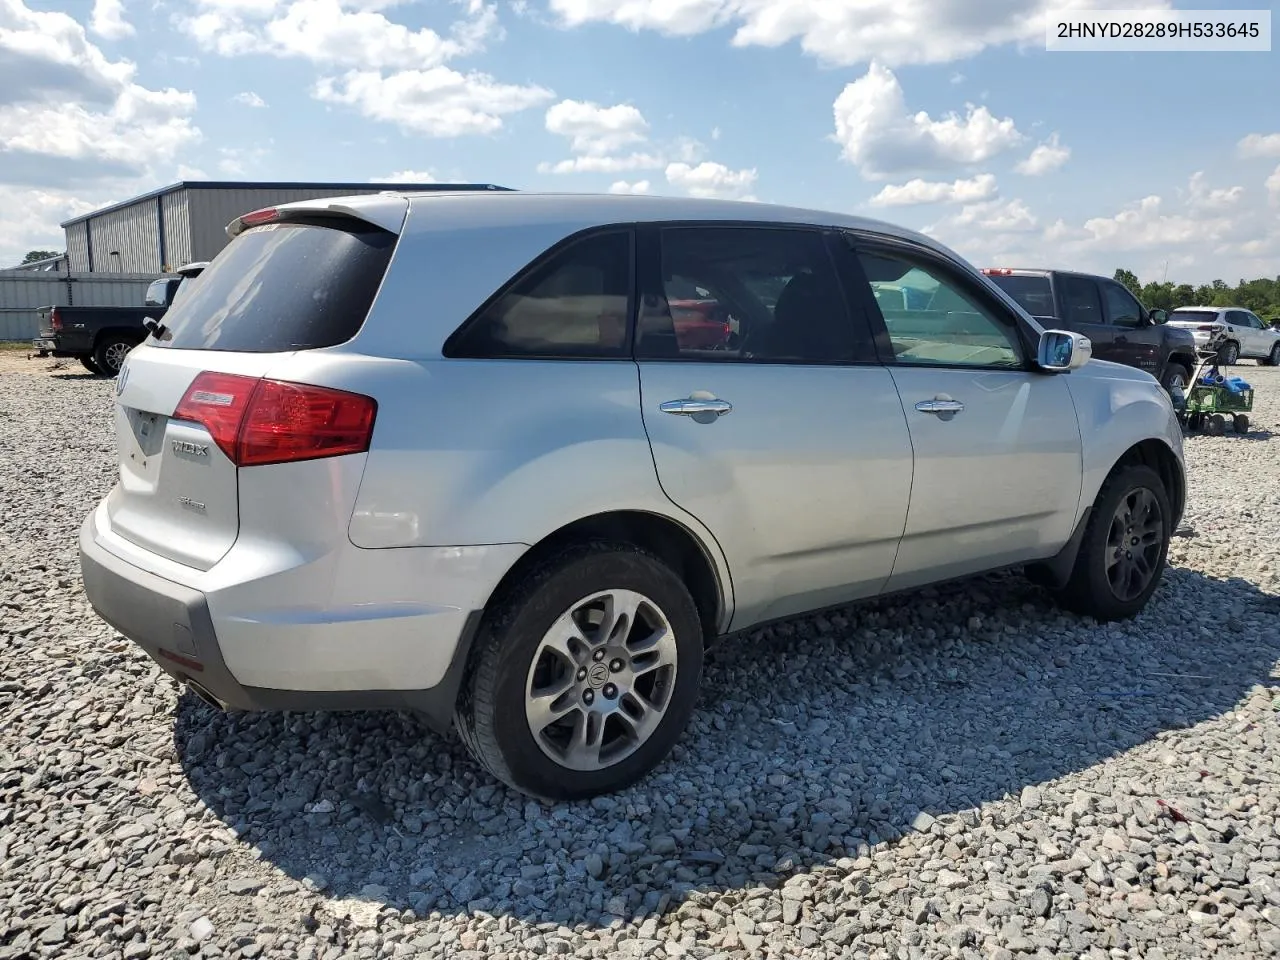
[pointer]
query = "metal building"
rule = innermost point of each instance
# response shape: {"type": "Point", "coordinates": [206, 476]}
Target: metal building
{"type": "Point", "coordinates": [161, 230]}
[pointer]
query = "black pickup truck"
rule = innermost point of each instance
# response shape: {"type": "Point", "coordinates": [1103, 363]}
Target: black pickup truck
{"type": "Point", "coordinates": [1121, 329]}
{"type": "Point", "coordinates": [101, 337]}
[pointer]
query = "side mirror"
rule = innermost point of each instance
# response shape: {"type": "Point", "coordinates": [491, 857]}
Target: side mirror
{"type": "Point", "coordinates": [1158, 316]}
{"type": "Point", "coordinates": [1062, 350]}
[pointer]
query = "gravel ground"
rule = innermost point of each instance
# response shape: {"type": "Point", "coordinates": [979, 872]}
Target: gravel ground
{"type": "Point", "coordinates": [966, 772]}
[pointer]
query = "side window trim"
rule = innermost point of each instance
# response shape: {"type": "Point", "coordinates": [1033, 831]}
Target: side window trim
{"type": "Point", "coordinates": [651, 292]}
{"type": "Point", "coordinates": [456, 340]}
{"type": "Point", "coordinates": [875, 244]}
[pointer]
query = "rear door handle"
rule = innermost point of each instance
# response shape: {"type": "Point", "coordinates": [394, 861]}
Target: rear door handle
{"type": "Point", "coordinates": [940, 407]}
{"type": "Point", "coordinates": [692, 408]}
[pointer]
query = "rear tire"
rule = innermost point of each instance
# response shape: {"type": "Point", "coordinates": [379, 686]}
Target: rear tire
{"type": "Point", "coordinates": [1217, 425]}
{"type": "Point", "coordinates": [1229, 354]}
{"type": "Point", "coordinates": [1114, 576]}
{"type": "Point", "coordinates": [1240, 423]}
{"type": "Point", "coordinates": [1273, 358]}
{"type": "Point", "coordinates": [583, 734]}
{"type": "Point", "coordinates": [91, 365]}
{"type": "Point", "coordinates": [109, 354]}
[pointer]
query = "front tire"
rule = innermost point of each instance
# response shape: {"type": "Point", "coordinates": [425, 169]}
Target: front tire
{"type": "Point", "coordinates": [585, 673]}
{"type": "Point", "coordinates": [1122, 554]}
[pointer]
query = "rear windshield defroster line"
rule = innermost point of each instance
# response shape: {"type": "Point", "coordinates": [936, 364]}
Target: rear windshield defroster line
{"type": "Point", "coordinates": [283, 287]}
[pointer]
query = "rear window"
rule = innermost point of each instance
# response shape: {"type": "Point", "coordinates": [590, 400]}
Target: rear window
{"type": "Point", "coordinates": [1032, 294]}
{"type": "Point", "coordinates": [1195, 316]}
{"type": "Point", "coordinates": [282, 287]}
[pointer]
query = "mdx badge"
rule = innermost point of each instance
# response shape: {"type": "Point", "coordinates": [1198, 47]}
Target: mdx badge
{"type": "Point", "coordinates": [194, 449]}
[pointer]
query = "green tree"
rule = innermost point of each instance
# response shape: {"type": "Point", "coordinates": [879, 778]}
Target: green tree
{"type": "Point", "coordinates": [36, 255]}
{"type": "Point", "coordinates": [1129, 279]}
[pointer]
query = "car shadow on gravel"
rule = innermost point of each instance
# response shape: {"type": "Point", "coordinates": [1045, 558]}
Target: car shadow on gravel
{"type": "Point", "coordinates": [815, 737]}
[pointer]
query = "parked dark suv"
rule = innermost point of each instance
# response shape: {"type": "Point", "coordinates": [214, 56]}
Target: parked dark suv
{"type": "Point", "coordinates": [1121, 328]}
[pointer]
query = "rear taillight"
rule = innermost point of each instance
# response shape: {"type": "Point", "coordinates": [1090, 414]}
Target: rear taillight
{"type": "Point", "coordinates": [55, 320]}
{"type": "Point", "coordinates": [259, 217]}
{"type": "Point", "coordinates": [1207, 328]}
{"type": "Point", "coordinates": [256, 422]}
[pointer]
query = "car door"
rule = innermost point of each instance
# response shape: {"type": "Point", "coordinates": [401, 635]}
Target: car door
{"type": "Point", "coordinates": [1135, 341]}
{"type": "Point", "coordinates": [787, 441]}
{"type": "Point", "coordinates": [1253, 342]}
{"type": "Point", "coordinates": [997, 445]}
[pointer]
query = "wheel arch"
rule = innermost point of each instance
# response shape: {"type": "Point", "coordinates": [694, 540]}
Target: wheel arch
{"type": "Point", "coordinates": [1157, 455]}
{"type": "Point", "coordinates": [119, 333]}
{"type": "Point", "coordinates": [669, 540]}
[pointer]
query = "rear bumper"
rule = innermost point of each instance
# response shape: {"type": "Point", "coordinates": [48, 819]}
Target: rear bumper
{"type": "Point", "coordinates": [173, 624]}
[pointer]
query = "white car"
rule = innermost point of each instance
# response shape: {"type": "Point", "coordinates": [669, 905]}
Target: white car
{"type": "Point", "coordinates": [1244, 336]}
{"type": "Point", "coordinates": [453, 452]}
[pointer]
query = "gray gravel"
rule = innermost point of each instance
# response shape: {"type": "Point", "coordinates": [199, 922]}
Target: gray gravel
{"type": "Point", "coordinates": [965, 772]}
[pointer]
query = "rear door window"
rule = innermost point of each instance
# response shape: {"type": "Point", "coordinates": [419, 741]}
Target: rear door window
{"type": "Point", "coordinates": [283, 287]}
{"type": "Point", "coordinates": [1032, 294]}
{"type": "Point", "coordinates": [1081, 302]}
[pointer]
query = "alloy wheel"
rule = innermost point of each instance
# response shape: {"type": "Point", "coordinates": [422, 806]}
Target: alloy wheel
{"type": "Point", "coordinates": [1134, 543]}
{"type": "Point", "coordinates": [601, 680]}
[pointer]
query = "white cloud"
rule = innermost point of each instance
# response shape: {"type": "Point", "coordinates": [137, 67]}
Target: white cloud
{"type": "Point", "coordinates": [249, 99]}
{"type": "Point", "coordinates": [844, 31]}
{"type": "Point", "coordinates": [709, 179]}
{"type": "Point", "coordinates": [241, 161]}
{"type": "Point", "coordinates": [1273, 185]}
{"type": "Point", "coordinates": [439, 102]}
{"type": "Point", "coordinates": [1201, 196]}
{"type": "Point", "coordinates": [1259, 145]}
{"type": "Point", "coordinates": [913, 192]}
{"type": "Point", "coordinates": [594, 164]}
{"type": "Point", "coordinates": [328, 32]}
{"type": "Point", "coordinates": [68, 114]}
{"type": "Point", "coordinates": [622, 186]}
{"type": "Point", "coordinates": [878, 134]}
{"type": "Point", "coordinates": [957, 79]}
{"type": "Point", "coordinates": [594, 130]}
{"type": "Point", "coordinates": [107, 20]}
{"type": "Point", "coordinates": [1045, 158]}
{"type": "Point", "coordinates": [406, 176]}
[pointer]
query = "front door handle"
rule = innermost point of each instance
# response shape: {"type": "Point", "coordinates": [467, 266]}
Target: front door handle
{"type": "Point", "coordinates": [694, 408]}
{"type": "Point", "coordinates": [943, 407]}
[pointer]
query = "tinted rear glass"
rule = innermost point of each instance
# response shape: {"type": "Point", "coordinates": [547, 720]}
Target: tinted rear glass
{"type": "Point", "coordinates": [283, 287]}
{"type": "Point", "coordinates": [1032, 294]}
{"type": "Point", "coordinates": [1195, 316]}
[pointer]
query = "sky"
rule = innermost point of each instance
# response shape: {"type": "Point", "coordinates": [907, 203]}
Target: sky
{"type": "Point", "coordinates": [945, 116]}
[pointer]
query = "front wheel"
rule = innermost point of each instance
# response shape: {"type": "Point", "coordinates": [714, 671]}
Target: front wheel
{"type": "Point", "coordinates": [109, 354]}
{"type": "Point", "coordinates": [1122, 554]}
{"type": "Point", "coordinates": [585, 674]}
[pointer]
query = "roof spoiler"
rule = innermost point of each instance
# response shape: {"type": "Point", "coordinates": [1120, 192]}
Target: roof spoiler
{"type": "Point", "coordinates": [386, 209]}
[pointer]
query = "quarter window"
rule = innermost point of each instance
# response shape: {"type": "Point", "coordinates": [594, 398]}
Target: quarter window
{"type": "Point", "coordinates": [575, 304]}
{"type": "Point", "coordinates": [931, 320]}
{"type": "Point", "coordinates": [760, 294]}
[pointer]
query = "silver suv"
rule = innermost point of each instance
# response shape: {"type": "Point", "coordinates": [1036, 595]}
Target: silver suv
{"type": "Point", "coordinates": [511, 460]}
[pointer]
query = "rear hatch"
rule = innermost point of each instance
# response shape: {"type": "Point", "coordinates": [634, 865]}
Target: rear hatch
{"type": "Point", "coordinates": [193, 409]}
{"type": "Point", "coordinates": [1193, 319]}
